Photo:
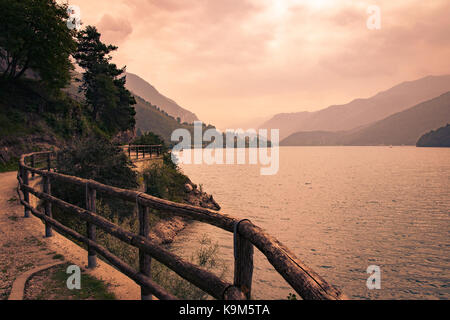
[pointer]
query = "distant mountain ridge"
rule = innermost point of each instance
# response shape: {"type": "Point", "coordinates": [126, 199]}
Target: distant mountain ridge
{"type": "Point", "coordinates": [402, 128]}
{"type": "Point", "coordinates": [147, 92]}
{"type": "Point", "coordinates": [360, 112]}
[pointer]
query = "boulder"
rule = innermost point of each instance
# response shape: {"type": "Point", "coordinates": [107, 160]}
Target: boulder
{"type": "Point", "coordinates": [188, 187]}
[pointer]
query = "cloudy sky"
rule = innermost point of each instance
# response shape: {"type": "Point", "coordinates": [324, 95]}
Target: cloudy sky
{"type": "Point", "coordinates": [231, 61]}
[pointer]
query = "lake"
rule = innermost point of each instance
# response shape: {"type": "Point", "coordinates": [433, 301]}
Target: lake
{"type": "Point", "coordinates": [341, 209]}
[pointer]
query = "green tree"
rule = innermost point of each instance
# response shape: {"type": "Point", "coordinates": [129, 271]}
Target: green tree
{"type": "Point", "coordinates": [34, 35]}
{"type": "Point", "coordinates": [104, 84]}
{"type": "Point", "coordinates": [98, 159]}
{"type": "Point", "coordinates": [148, 138]}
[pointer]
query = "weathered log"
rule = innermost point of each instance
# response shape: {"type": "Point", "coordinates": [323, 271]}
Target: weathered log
{"type": "Point", "coordinates": [308, 284]}
{"type": "Point", "coordinates": [243, 263]}
{"type": "Point", "coordinates": [26, 195]}
{"type": "Point", "coordinates": [203, 279]}
{"type": "Point", "coordinates": [91, 196]}
{"type": "Point", "coordinates": [144, 259]}
{"type": "Point", "coordinates": [33, 163]}
{"type": "Point", "coordinates": [49, 162]}
{"type": "Point", "coordinates": [48, 207]}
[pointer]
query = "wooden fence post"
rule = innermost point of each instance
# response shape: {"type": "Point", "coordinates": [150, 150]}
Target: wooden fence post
{"type": "Point", "coordinates": [26, 195]}
{"type": "Point", "coordinates": [91, 195]}
{"type": "Point", "coordinates": [32, 164]}
{"type": "Point", "coordinates": [129, 151]}
{"type": "Point", "coordinates": [143, 152]}
{"type": "Point", "coordinates": [58, 159]}
{"type": "Point", "coordinates": [48, 207]}
{"type": "Point", "coordinates": [48, 161]}
{"type": "Point", "coordinates": [243, 263]}
{"type": "Point", "coordinates": [137, 152]}
{"type": "Point", "coordinates": [144, 259]}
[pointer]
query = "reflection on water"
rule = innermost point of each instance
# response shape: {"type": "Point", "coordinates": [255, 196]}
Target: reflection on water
{"type": "Point", "coordinates": [341, 209]}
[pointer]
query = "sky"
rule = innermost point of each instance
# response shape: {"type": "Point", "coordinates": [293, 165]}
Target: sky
{"type": "Point", "coordinates": [237, 62]}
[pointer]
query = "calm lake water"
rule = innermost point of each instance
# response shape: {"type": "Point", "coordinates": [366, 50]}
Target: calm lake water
{"type": "Point", "coordinates": [341, 209]}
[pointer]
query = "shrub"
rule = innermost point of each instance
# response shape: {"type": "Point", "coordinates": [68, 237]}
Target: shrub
{"type": "Point", "coordinates": [165, 181]}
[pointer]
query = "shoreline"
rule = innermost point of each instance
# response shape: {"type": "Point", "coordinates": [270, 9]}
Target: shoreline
{"type": "Point", "coordinates": [166, 230]}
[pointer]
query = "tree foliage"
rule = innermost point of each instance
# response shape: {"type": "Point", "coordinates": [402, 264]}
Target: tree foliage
{"type": "Point", "coordinates": [34, 36]}
{"type": "Point", "coordinates": [103, 83]}
{"type": "Point", "coordinates": [149, 138]}
{"type": "Point", "coordinates": [98, 159]}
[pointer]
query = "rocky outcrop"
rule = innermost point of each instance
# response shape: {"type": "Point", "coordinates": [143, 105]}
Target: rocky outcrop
{"type": "Point", "coordinates": [165, 231]}
{"type": "Point", "coordinates": [197, 197]}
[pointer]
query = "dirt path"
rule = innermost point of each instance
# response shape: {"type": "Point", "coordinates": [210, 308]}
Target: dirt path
{"type": "Point", "coordinates": [22, 244]}
{"type": "Point", "coordinates": [24, 247]}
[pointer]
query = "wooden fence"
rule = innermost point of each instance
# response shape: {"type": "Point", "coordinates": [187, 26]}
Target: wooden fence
{"type": "Point", "coordinates": [307, 283]}
{"type": "Point", "coordinates": [136, 152]}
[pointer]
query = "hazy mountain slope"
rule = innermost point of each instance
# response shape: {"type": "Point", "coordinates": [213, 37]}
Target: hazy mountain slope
{"type": "Point", "coordinates": [439, 138]}
{"type": "Point", "coordinates": [149, 118]}
{"type": "Point", "coordinates": [145, 90]}
{"type": "Point", "coordinates": [362, 111]}
{"type": "Point", "coordinates": [402, 128]}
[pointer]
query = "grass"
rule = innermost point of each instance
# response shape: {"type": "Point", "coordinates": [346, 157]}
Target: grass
{"type": "Point", "coordinates": [51, 284]}
{"type": "Point", "coordinates": [291, 296]}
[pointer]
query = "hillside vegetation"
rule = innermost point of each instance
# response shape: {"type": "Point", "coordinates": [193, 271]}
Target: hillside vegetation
{"type": "Point", "coordinates": [439, 138]}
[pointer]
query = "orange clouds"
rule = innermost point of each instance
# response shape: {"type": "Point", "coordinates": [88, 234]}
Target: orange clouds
{"type": "Point", "coordinates": [231, 60]}
{"type": "Point", "coordinates": [114, 30]}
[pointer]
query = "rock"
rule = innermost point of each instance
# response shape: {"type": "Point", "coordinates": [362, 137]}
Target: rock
{"type": "Point", "coordinates": [188, 187]}
{"type": "Point", "coordinates": [166, 230]}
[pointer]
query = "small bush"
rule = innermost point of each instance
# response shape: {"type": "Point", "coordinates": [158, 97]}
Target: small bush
{"type": "Point", "coordinates": [165, 181]}
{"type": "Point", "coordinates": [149, 138]}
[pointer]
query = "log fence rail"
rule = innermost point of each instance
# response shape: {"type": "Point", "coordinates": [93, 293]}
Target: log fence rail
{"type": "Point", "coordinates": [136, 152]}
{"type": "Point", "coordinates": [246, 235]}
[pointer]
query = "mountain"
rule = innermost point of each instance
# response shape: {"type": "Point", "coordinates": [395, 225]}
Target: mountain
{"type": "Point", "coordinates": [439, 138]}
{"type": "Point", "coordinates": [150, 118]}
{"type": "Point", "coordinates": [145, 90]}
{"type": "Point", "coordinates": [402, 128]}
{"type": "Point", "coordinates": [361, 112]}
